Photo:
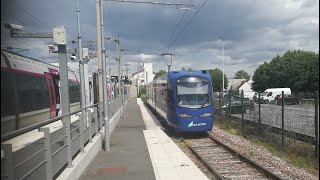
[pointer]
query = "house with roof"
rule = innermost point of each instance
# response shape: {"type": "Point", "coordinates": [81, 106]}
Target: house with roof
{"type": "Point", "coordinates": [233, 82]}
{"type": "Point", "coordinates": [143, 76]}
{"type": "Point", "coordinates": [240, 84]}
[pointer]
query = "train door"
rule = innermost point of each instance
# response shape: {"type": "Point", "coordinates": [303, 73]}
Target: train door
{"type": "Point", "coordinates": [52, 95]}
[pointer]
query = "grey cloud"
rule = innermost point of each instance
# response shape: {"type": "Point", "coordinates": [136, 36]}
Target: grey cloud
{"type": "Point", "coordinates": [255, 31]}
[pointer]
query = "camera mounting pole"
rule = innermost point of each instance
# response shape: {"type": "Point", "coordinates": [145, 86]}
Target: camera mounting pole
{"type": "Point", "coordinates": [85, 59]}
{"type": "Point", "coordinates": [59, 38]}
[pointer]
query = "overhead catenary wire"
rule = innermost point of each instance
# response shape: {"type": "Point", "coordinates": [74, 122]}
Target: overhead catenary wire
{"type": "Point", "coordinates": [40, 22]}
{"type": "Point", "coordinates": [25, 43]}
{"type": "Point", "coordinates": [36, 18]}
{"type": "Point", "coordinates": [20, 21]}
{"type": "Point", "coordinates": [184, 28]}
{"type": "Point", "coordinates": [111, 17]}
{"type": "Point", "coordinates": [151, 2]}
{"type": "Point", "coordinates": [31, 46]}
{"type": "Point", "coordinates": [173, 33]}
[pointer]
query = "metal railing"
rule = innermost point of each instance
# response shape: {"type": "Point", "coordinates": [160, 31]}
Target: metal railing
{"type": "Point", "coordinates": [47, 157]}
{"type": "Point", "coordinates": [21, 131]}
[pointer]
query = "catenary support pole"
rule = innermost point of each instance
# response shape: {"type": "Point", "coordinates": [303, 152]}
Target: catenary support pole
{"type": "Point", "coordinates": [104, 83]}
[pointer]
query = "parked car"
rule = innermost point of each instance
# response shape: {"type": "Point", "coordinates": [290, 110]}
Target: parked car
{"type": "Point", "coordinates": [289, 99]}
{"type": "Point", "coordinates": [233, 98]}
{"type": "Point", "coordinates": [236, 107]}
{"type": "Point", "coordinates": [249, 94]}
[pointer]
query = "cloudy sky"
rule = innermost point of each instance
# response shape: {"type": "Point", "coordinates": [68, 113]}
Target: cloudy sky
{"type": "Point", "coordinates": [254, 31]}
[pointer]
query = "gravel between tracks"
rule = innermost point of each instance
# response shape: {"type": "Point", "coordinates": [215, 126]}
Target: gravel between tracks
{"type": "Point", "coordinates": [259, 154]}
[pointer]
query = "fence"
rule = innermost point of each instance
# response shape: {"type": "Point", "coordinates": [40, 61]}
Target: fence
{"type": "Point", "coordinates": [293, 116]}
{"type": "Point", "coordinates": [48, 155]}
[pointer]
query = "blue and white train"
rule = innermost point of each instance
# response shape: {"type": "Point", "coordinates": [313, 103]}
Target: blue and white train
{"type": "Point", "coordinates": [184, 99]}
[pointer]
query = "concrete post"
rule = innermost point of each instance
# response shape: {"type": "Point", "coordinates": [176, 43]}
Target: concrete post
{"type": "Point", "coordinates": [104, 84]}
{"type": "Point", "coordinates": [7, 162]}
{"type": "Point", "coordinates": [99, 43]}
{"type": "Point", "coordinates": [47, 146]}
{"type": "Point", "coordinates": [65, 100]}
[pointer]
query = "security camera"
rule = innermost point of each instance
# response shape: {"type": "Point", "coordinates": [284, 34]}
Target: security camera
{"type": "Point", "coordinates": [51, 48]}
{"type": "Point", "coordinates": [73, 57]}
{"type": "Point", "coordinates": [13, 27]}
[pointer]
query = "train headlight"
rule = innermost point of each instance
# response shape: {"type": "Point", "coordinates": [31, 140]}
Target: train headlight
{"type": "Point", "coordinates": [185, 115]}
{"type": "Point", "coordinates": [205, 115]}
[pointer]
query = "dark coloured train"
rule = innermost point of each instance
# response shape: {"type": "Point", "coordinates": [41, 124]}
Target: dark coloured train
{"type": "Point", "coordinates": [184, 99]}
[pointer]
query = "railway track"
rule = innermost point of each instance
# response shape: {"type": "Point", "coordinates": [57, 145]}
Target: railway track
{"type": "Point", "coordinates": [226, 163]}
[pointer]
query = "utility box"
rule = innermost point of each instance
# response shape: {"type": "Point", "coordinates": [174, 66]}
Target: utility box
{"type": "Point", "coordinates": [59, 36]}
{"type": "Point", "coordinates": [85, 53]}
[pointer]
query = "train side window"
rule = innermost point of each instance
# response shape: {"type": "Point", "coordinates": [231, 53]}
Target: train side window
{"type": "Point", "coordinates": [7, 96]}
{"type": "Point", "coordinates": [32, 92]}
{"type": "Point", "coordinates": [74, 91]}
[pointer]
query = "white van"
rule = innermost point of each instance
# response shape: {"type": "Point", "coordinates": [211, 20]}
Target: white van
{"type": "Point", "coordinates": [269, 95]}
{"type": "Point", "coordinates": [248, 94]}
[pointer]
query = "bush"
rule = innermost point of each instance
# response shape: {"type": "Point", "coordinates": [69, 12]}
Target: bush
{"type": "Point", "coordinates": [142, 90]}
{"type": "Point", "coordinates": [144, 98]}
{"type": "Point", "coordinates": [142, 94]}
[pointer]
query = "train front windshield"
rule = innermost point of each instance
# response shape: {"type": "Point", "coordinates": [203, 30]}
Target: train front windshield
{"type": "Point", "coordinates": [193, 92]}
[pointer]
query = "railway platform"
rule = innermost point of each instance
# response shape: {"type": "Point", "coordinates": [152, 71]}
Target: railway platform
{"type": "Point", "coordinates": [140, 150]}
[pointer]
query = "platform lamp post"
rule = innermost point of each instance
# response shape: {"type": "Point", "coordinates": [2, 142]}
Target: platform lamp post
{"type": "Point", "coordinates": [222, 39]}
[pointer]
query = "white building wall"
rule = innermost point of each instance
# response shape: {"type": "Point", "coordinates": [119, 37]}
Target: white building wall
{"type": "Point", "coordinates": [232, 81]}
{"type": "Point", "coordinates": [148, 72]}
{"type": "Point", "coordinates": [146, 76]}
{"type": "Point", "coordinates": [246, 86]}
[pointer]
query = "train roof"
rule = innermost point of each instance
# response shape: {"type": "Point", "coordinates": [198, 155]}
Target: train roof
{"type": "Point", "coordinates": [178, 74]}
{"type": "Point", "coordinates": [21, 62]}
{"type": "Point", "coordinates": [26, 58]}
{"type": "Point", "coordinates": [173, 75]}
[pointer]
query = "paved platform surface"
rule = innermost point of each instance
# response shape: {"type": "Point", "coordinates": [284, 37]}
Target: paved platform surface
{"type": "Point", "coordinates": [168, 160]}
{"type": "Point", "coordinates": [128, 158]}
{"type": "Point", "coordinates": [140, 150]}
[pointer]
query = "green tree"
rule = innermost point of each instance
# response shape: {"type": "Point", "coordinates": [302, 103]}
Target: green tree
{"type": "Point", "coordinates": [241, 74]}
{"type": "Point", "coordinates": [298, 70]}
{"type": "Point", "coordinates": [188, 69]}
{"type": "Point", "coordinates": [261, 78]}
{"type": "Point", "coordinates": [159, 73]}
{"type": "Point", "coordinates": [216, 75]}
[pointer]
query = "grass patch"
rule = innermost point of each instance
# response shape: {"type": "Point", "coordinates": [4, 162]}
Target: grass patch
{"type": "Point", "coordinates": [297, 153]}
{"type": "Point", "coordinates": [185, 144]}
